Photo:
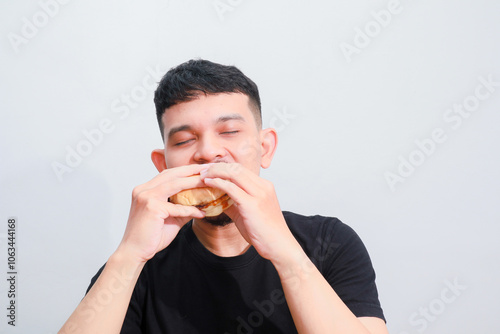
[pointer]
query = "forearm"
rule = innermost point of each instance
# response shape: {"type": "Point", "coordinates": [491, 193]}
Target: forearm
{"type": "Point", "coordinates": [314, 305]}
{"type": "Point", "coordinates": [104, 307]}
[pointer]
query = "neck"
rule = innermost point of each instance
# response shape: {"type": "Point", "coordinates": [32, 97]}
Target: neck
{"type": "Point", "coordinates": [224, 241]}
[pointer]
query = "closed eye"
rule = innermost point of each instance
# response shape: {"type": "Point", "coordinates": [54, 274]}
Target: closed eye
{"type": "Point", "coordinates": [230, 132]}
{"type": "Point", "coordinates": [183, 142]}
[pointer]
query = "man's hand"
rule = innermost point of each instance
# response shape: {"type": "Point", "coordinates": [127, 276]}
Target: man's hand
{"type": "Point", "coordinates": [153, 221]}
{"type": "Point", "coordinates": [256, 211]}
{"type": "Point", "coordinates": [314, 305]}
{"type": "Point", "coordinates": [152, 225]}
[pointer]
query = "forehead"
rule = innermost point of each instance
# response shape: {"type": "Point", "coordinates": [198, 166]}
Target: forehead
{"type": "Point", "coordinates": [206, 109]}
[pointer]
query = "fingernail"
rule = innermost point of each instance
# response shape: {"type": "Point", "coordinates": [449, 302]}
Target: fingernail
{"type": "Point", "coordinates": [203, 173]}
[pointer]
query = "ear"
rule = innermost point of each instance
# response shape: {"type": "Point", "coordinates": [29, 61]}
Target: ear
{"type": "Point", "coordinates": [158, 157]}
{"type": "Point", "coordinates": [269, 142]}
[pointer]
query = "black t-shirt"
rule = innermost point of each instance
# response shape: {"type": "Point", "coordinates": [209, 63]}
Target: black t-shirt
{"type": "Point", "coordinates": [187, 289]}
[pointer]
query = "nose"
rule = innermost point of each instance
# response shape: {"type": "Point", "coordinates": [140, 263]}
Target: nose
{"type": "Point", "coordinates": [208, 149]}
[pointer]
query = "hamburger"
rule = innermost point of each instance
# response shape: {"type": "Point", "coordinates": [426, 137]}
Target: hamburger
{"type": "Point", "coordinates": [212, 201]}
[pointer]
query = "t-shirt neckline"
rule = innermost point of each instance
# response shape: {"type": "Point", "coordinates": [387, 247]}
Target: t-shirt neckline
{"type": "Point", "coordinates": [213, 260]}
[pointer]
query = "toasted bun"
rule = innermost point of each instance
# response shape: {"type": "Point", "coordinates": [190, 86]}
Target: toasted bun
{"type": "Point", "coordinates": [211, 200]}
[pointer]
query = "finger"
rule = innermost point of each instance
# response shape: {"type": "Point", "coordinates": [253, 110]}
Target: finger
{"type": "Point", "coordinates": [236, 173]}
{"type": "Point", "coordinates": [177, 210]}
{"type": "Point", "coordinates": [186, 170]}
{"type": "Point", "coordinates": [168, 175]}
{"type": "Point", "coordinates": [179, 184]}
{"type": "Point", "coordinates": [166, 189]}
{"type": "Point", "coordinates": [176, 172]}
{"type": "Point", "coordinates": [237, 194]}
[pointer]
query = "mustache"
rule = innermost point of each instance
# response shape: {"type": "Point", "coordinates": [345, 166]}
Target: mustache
{"type": "Point", "coordinates": [221, 160]}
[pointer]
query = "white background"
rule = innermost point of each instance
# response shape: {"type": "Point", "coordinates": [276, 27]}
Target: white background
{"type": "Point", "coordinates": [345, 121]}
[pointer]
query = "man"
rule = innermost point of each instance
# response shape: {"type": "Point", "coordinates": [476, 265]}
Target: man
{"type": "Point", "coordinates": [254, 268]}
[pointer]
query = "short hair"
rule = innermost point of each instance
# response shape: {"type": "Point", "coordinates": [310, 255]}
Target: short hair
{"type": "Point", "coordinates": [186, 81]}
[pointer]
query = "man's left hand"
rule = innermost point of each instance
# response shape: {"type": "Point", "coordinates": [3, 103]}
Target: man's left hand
{"type": "Point", "coordinates": [256, 211]}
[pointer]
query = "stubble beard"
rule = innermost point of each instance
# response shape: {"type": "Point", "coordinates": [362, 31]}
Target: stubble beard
{"type": "Point", "coordinates": [220, 220]}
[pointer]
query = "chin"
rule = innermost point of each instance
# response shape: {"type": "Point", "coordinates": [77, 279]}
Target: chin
{"type": "Point", "coordinates": [220, 220]}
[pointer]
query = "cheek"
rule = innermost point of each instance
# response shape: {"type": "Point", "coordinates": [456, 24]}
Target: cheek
{"type": "Point", "coordinates": [176, 159]}
{"type": "Point", "coordinates": [247, 150]}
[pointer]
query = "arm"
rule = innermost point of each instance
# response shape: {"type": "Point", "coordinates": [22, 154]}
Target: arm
{"type": "Point", "coordinates": [105, 305]}
{"type": "Point", "coordinates": [314, 305]}
{"type": "Point", "coordinates": [153, 224]}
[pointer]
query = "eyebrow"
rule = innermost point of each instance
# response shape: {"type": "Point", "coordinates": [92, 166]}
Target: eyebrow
{"type": "Point", "coordinates": [180, 128]}
{"type": "Point", "coordinates": [230, 117]}
{"type": "Point", "coordinates": [221, 119]}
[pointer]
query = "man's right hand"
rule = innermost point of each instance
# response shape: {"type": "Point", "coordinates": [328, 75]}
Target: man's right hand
{"type": "Point", "coordinates": [152, 225]}
{"type": "Point", "coordinates": [153, 221]}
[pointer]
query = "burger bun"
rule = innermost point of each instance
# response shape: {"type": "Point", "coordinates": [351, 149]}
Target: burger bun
{"type": "Point", "coordinates": [212, 201]}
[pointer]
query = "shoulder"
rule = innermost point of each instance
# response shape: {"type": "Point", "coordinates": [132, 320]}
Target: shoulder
{"type": "Point", "coordinates": [317, 226]}
{"type": "Point", "coordinates": [327, 241]}
{"type": "Point", "coordinates": [342, 258]}
{"type": "Point", "coordinates": [171, 255]}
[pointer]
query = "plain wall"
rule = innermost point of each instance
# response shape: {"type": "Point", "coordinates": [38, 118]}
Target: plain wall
{"type": "Point", "coordinates": [387, 114]}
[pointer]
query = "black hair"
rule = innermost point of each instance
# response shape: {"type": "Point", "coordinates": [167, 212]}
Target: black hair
{"type": "Point", "coordinates": [186, 81]}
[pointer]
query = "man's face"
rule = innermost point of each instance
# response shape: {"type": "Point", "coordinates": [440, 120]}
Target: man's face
{"type": "Point", "coordinates": [212, 128]}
